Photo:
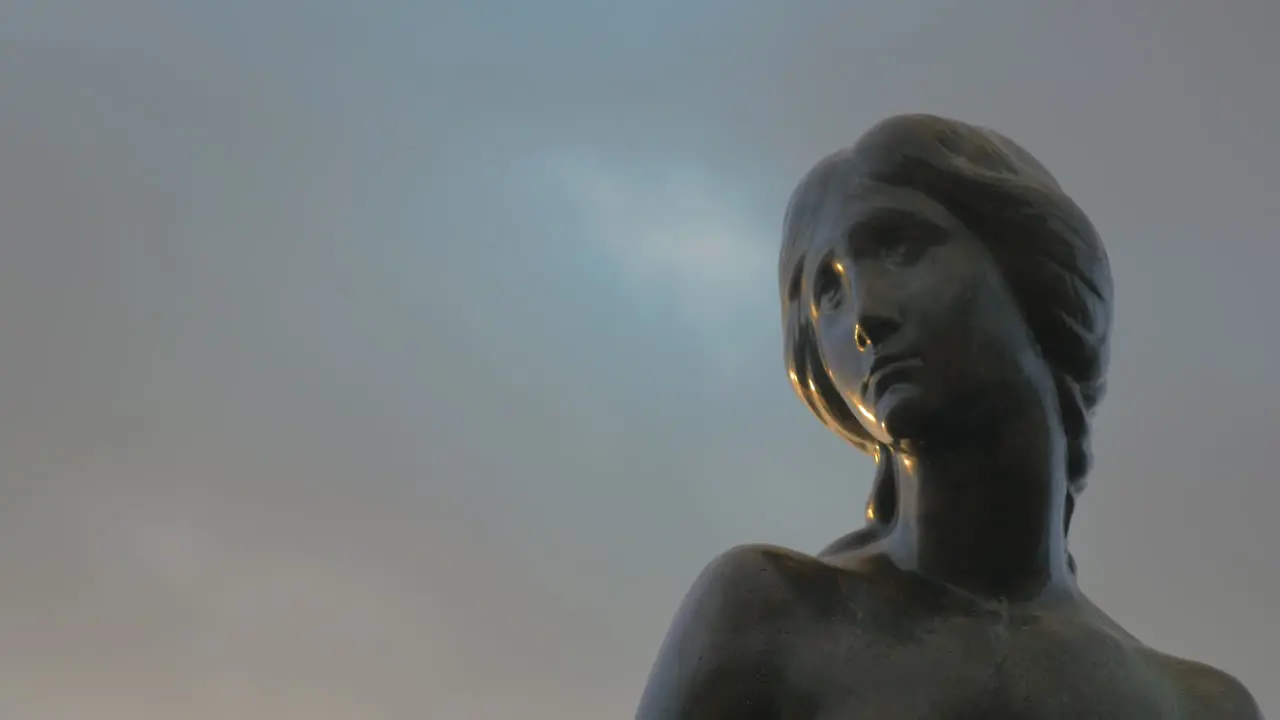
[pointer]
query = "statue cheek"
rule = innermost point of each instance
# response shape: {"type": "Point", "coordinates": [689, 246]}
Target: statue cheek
{"type": "Point", "coordinates": [839, 347]}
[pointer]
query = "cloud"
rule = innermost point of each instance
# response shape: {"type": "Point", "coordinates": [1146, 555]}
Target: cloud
{"type": "Point", "coordinates": [673, 230]}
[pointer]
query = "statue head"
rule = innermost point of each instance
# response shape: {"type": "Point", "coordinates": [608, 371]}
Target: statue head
{"type": "Point", "coordinates": [930, 272]}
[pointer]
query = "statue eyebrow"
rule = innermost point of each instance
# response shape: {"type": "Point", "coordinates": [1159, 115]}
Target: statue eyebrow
{"type": "Point", "coordinates": [871, 225]}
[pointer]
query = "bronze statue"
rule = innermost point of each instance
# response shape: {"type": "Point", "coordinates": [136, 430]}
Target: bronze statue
{"type": "Point", "coordinates": [947, 309]}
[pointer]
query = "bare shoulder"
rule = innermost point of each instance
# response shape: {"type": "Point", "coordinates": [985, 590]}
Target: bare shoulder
{"type": "Point", "coordinates": [776, 572]}
{"type": "Point", "coordinates": [1207, 691]}
{"type": "Point", "coordinates": [721, 654]}
{"type": "Point", "coordinates": [750, 583]}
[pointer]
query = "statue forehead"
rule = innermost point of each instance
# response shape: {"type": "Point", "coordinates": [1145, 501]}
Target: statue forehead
{"type": "Point", "coordinates": [966, 153]}
{"type": "Point", "coordinates": [841, 203]}
{"type": "Point", "coordinates": [834, 196]}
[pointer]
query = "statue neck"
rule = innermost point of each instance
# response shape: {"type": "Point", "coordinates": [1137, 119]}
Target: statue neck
{"type": "Point", "coordinates": [985, 515]}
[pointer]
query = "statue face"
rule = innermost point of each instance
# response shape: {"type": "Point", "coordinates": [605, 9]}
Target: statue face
{"type": "Point", "coordinates": [916, 326]}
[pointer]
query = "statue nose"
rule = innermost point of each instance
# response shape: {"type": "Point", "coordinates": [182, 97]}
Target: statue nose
{"type": "Point", "coordinates": [873, 330]}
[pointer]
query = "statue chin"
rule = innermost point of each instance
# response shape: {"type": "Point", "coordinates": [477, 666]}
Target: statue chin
{"type": "Point", "coordinates": [895, 416]}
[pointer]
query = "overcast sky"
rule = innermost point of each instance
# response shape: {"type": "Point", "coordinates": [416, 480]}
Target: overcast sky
{"type": "Point", "coordinates": [408, 359]}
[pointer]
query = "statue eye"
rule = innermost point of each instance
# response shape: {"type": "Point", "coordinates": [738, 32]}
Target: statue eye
{"type": "Point", "coordinates": [898, 248]}
{"type": "Point", "coordinates": [896, 242]}
{"type": "Point", "coordinates": [828, 285]}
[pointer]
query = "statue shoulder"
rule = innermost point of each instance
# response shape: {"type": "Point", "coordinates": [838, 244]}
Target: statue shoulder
{"type": "Point", "coordinates": [1208, 691]}
{"type": "Point", "coordinates": [759, 581]}
{"type": "Point", "coordinates": [720, 654]}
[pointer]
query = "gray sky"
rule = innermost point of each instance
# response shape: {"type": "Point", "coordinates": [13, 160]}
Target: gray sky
{"type": "Point", "coordinates": [403, 359]}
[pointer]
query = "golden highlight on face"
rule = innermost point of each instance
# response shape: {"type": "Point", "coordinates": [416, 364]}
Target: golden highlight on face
{"type": "Point", "coordinates": [1044, 248]}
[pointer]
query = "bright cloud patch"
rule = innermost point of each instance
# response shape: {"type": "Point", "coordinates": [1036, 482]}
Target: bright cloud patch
{"type": "Point", "coordinates": [673, 230]}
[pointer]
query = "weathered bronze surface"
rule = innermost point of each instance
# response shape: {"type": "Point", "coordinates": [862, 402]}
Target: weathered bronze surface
{"type": "Point", "coordinates": [947, 309]}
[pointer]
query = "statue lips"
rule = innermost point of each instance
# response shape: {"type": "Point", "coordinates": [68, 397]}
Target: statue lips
{"type": "Point", "coordinates": [886, 370]}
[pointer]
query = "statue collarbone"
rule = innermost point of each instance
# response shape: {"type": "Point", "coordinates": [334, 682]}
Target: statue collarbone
{"type": "Point", "coordinates": [777, 633]}
{"type": "Point", "coordinates": [946, 309]}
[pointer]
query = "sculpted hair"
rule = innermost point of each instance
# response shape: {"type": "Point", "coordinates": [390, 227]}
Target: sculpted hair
{"type": "Point", "coordinates": [1048, 251]}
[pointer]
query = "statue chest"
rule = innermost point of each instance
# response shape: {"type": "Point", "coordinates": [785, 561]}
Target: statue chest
{"type": "Point", "coordinates": [972, 669]}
